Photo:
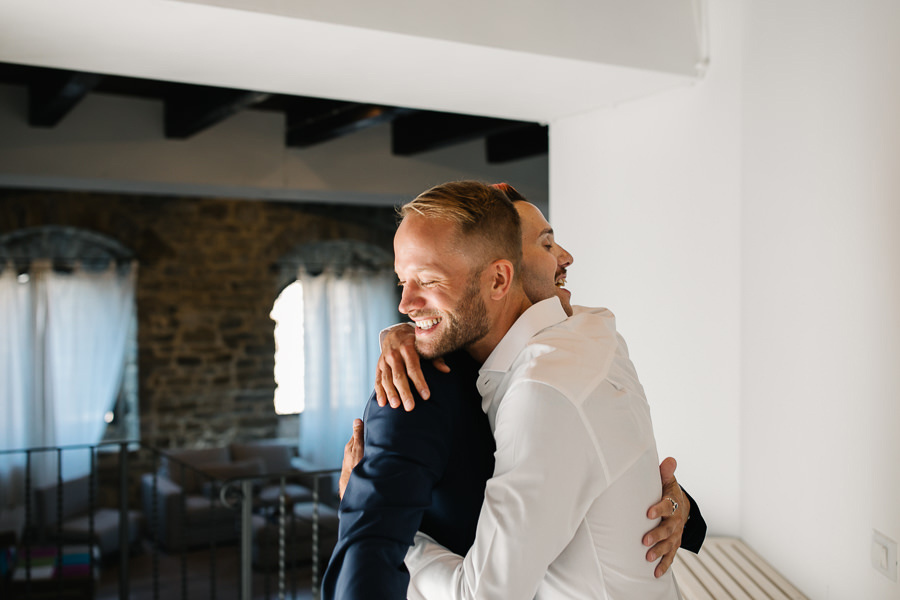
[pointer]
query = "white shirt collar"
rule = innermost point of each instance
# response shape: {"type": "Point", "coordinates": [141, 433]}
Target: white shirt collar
{"type": "Point", "coordinates": [536, 318]}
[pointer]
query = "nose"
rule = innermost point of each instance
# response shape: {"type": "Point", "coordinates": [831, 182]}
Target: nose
{"type": "Point", "coordinates": [410, 299]}
{"type": "Point", "coordinates": [564, 259]}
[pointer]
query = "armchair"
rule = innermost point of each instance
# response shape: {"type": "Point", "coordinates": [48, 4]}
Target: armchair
{"type": "Point", "coordinates": [76, 514]}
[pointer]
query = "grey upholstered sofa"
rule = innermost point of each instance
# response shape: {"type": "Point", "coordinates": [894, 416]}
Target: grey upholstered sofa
{"type": "Point", "coordinates": [76, 512]}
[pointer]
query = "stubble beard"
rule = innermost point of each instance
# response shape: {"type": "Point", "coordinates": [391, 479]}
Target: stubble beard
{"type": "Point", "coordinates": [466, 324]}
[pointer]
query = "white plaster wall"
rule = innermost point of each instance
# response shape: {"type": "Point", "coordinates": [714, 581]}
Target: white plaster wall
{"type": "Point", "coordinates": [647, 197]}
{"type": "Point", "coordinates": [821, 351]}
{"type": "Point", "coordinates": [745, 232]}
{"type": "Point", "coordinates": [645, 34]}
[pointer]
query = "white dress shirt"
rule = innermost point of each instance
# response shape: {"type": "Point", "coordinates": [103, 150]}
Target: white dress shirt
{"type": "Point", "coordinates": [576, 469]}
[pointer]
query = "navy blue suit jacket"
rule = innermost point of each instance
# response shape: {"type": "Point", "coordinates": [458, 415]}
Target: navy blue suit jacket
{"type": "Point", "coordinates": [423, 470]}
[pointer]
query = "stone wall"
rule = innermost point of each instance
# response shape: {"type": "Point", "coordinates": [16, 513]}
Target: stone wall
{"type": "Point", "coordinates": [206, 283]}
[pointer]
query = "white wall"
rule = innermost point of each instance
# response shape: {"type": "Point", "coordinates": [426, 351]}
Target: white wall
{"type": "Point", "coordinates": [745, 232]}
{"type": "Point", "coordinates": [821, 331]}
{"type": "Point", "coordinates": [647, 198]}
{"type": "Point", "coordinates": [644, 34]}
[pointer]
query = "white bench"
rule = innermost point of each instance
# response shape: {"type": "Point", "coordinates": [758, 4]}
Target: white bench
{"type": "Point", "coordinates": [727, 569]}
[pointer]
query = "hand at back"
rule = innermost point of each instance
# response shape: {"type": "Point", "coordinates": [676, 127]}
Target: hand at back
{"type": "Point", "coordinates": [399, 365]}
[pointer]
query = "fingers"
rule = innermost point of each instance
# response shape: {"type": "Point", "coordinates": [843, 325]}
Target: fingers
{"type": "Point", "coordinates": [667, 470]}
{"type": "Point", "coordinates": [353, 452]}
{"type": "Point", "coordinates": [665, 563]}
{"type": "Point", "coordinates": [380, 394]}
{"type": "Point", "coordinates": [357, 432]}
{"type": "Point", "coordinates": [668, 544]}
{"type": "Point", "coordinates": [411, 370]}
{"type": "Point", "coordinates": [670, 489]}
{"type": "Point", "coordinates": [666, 529]}
{"type": "Point", "coordinates": [397, 367]}
{"type": "Point", "coordinates": [662, 509]}
{"type": "Point", "coordinates": [665, 539]}
{"type": "Point", "coordinates": [399, 363]}
{"type": "Point", "coordinates": [386, 380]}
{"type": "Point", "coordinates": [414, 371]}
{"type": "Point", "coordinates": [441, 365]}
{"type": "Point", "coordinates": [400, 383]}
{"type": "Point", "coordinates": [661, 548]}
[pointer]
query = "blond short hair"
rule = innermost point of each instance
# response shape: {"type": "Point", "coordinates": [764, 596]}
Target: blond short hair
{"type": "Point", "coordinates": [484, 215]}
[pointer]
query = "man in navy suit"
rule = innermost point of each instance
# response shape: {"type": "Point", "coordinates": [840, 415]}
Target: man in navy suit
{"type": "Point", "coordinates": [425, 469]}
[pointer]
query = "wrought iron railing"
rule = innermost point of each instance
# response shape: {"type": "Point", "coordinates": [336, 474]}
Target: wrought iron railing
{"type": "Point", "coordinates": [137, 471]}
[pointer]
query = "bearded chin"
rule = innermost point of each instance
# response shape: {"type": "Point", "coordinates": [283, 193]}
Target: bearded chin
{"type": "Point", "coordinates": [466, 324]}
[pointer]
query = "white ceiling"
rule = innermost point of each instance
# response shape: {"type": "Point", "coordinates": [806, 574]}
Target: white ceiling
{"type": "Point", "coordinates": [535, 61]}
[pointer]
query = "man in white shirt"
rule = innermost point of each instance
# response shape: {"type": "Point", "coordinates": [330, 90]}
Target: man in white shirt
{"type": "Point", "coordinates": [576, 460]}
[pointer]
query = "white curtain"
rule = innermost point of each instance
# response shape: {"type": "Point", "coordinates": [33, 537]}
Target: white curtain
{"type": "Point", "coordinates": [62, 349]}
{"type": "Point", "coordinates": [343, 314]}
{"type": "Point", "coordinates": [17, 380]}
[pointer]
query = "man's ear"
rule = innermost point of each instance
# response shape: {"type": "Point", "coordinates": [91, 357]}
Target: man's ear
{"type": "Point", "coordinates": [501, 273]}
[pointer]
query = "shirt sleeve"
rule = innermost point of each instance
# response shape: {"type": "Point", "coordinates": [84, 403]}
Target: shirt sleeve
{"type": "Point", "coordinates": [388, 492]}
{"type": "Point", "coordinates": [544, 480]}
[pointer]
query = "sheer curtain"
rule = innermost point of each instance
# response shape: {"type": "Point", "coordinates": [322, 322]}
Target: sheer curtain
{"type": "Point", "coordinates": [62, 348]}
{"type": "Point", "coordinates": [343, 314]}
{"type": "Point", "coordinates": [18, 377]}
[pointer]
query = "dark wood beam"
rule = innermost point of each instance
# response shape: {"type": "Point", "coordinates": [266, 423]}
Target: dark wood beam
{"type": "Point", "coordinates": [52, 93]}
{"type": "Point", "coordinates": [523, 142]}
{"type": "Point", "coordinates": [316, 121]}
{"type": "Point", "coordinates": [189, 109]}
{"type": "Point", "coordinates": [426, 130]}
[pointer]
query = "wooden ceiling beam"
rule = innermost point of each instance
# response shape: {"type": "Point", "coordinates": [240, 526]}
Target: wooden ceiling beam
{"type": "Point", "coordinates": [53, 93]}
{"type": "Point", "coordinates": [516, 144]}
{"type": "Point", "coordinates": [422, 131]}
{"type": "Point", "coordinates": [190, 109]}
{"type": "Point", "coordinates": [315, 121]}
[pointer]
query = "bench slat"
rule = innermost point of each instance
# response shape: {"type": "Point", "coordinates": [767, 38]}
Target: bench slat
{"type": "Point", "coordinates": [774, 577]}
{"type": "Point", "coordinates": [694, 580]}
{"type": "Point", "coordinates": [727, 568]}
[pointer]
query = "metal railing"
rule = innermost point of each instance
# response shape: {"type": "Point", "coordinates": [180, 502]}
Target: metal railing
{"type": "Point", "coordinates": [233, 512]}
{"type": "Point", "coordinates": [238, 492]}
{"type": "Point", "coordinates": [32, 534]}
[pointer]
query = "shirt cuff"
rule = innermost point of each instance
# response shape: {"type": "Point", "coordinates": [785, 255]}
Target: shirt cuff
{"type": "Point", "coordinates": [438, 580]}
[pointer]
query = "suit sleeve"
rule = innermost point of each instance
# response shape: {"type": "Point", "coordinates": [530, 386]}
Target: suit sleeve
{"type": "Point", "coordinates": [388, 492]}
{"type": "Point", "coordinates": [695, 529]}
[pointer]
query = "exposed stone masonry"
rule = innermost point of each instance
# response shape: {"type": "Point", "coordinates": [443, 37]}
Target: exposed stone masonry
{"type": "Point", "coordinates": [206, 284]}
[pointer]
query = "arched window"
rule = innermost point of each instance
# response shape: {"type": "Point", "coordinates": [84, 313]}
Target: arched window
{"type": "Point", "coordinates": [67, 340]}
{"type": "Point", "coordinates": [341, 294]}
{"type": "Point", "coordinates": [287, 313]}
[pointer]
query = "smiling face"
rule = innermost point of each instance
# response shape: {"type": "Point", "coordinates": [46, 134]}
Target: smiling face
{"type": "Point", "coordinates": [544, 262]}
{"type": "Point", "coordinates": [442, 288]}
